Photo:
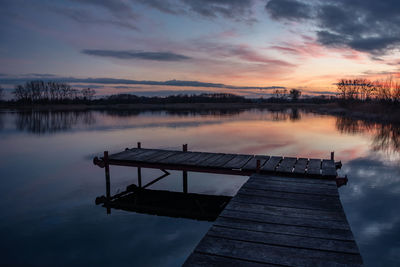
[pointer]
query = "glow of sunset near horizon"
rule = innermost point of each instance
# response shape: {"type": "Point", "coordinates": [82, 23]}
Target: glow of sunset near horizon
{"type": "Point", "coordinates": [247, 43]}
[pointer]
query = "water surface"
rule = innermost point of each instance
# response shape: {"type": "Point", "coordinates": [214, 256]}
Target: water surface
{"type": "Point", "coordinates": [49, 183]}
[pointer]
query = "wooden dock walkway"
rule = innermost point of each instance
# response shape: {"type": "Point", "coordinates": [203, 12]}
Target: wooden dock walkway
{"type": "Point", "coordinates": [237, 164]}
{"type": "Point", "coordinates": [283, 221]}
{"type": "Point", "coordinates": [287, 214]}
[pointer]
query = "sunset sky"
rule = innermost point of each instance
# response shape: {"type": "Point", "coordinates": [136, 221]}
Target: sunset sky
{"type": "Point", "coordinates": [205, 45]}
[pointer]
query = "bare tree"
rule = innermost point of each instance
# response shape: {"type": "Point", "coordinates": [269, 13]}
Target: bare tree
{"type": "Point", "coordinates": [88, 93]}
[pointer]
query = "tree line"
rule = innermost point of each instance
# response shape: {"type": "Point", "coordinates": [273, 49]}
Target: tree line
{"type": "Point", "coordinates": [50, 92]}
{"type": "Point", "coordinates": [387, 90]}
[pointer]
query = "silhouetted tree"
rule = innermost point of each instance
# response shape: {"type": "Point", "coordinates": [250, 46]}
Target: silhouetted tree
{"type": "Point", "coordinates": [88, 93]}
{"type": "Point", "coordinates": [1, 93]}
{"type": "Point", "coordinates": [295, 94]}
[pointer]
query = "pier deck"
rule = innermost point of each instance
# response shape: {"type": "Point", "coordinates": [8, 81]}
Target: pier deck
{"type": "Point", "coordinates": [238, 164]}
{"type": "Point", "coordinates": [288, 213]}
{"type": "Point", "coordinates": [280, 221]}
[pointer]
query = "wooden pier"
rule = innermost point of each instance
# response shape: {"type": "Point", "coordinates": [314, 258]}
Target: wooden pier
{"type": "Point", "coordinates": [288, 213]}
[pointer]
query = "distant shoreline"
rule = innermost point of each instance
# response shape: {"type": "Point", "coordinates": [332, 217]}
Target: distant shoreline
{"type": "Point", "coordinates": [366, 111]}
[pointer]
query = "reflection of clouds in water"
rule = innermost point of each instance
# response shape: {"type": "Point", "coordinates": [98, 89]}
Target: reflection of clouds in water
{"type": "Point", "coordinates": [371, 201]}
{"type": "Point", "coordinates": [375, 229]}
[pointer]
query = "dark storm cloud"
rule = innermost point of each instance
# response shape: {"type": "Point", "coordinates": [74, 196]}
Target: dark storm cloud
{"type": "Point", "coordinates": [157, 56]}
{"type": "Point", "coordinates": [369, 26]}
{"type": "Point", "coordinates": [25, 78]}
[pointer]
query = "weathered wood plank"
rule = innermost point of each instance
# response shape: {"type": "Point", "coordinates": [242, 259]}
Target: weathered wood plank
{"type": "Point", "coordinates": [287, 212]}
{"type": "Point", "coordinates": [314, 167]}
{"type": "Point", "coordinates": [271, 164]}
{"type": "Point", "coordinates": [220, 162]}
{"type": "Point", "coordinates": [300, 166]}
{"type": "Point", "coordinates": [328, 168]}
{"type": "Point", "coordinates": [327, 233]}
{"type": "Point", "coordinates": [178, 158]}
{"type": "Point", "coordinates": [295, 221]}
{"type": "Point", "coordinates": [286, 195]}
{"type": "Point", "coordinates": [143, 156]}
{"type": "Point", "coordinates": [296, 180]}
{"type": "Point", "coordinates": [252, 164]}
{"type": "Point", "coordinates": [274, 254]}
{"type": "Point", "coordinates": [301, 180]}
{"type": "Point", "coordinates": [286, 165]}
{"type": "Point", "coordinates": [198, 158]}
{"type": "Point", "coordinates": [284, 240]}
{"type": "Point", "coordinates": [290, 203]}
{"type": "Point", "coordinates": [203, 259]}
{"type": "Point", "coordinates": [163, 156]}
{"type": "Point", "coordinates": [291, 189]}
{"type": "Point", "coordinates": [124, 155]}
{"type": "Point", "coordinates": [237, 162]}
{"type": "Point", "coordinates": [210, 161]}
{"type": "Point", "coordinates": [317, 187]}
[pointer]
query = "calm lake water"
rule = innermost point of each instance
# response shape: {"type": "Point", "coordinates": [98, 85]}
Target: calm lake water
{"type": "Point", "coordinates": [49, 184]}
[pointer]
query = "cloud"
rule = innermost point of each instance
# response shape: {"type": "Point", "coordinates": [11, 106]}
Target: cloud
{"type": "Point", "coordinates": [19, 80]}
{"type": "Point", "coordinates": [132, 54]}
{"type": "Point", "coordinates": [231, 9]}
{"type": "Point", "coordinates": [84, 16]}
{"type": "Point", "coordinates": [368, 26]}
{"type": "Point", "coordinates": [235, 9]}
{"type": "Point", "coordinates": [288, 9]}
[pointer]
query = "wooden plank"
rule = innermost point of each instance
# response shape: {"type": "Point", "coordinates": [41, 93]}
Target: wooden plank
{"type": "Point", "coordinates": [203, 259]}
{"type": "Point", "coordinates": [164, 156]}
{"type": "Point", "coordinates": [295, 221]}
{"type": "Point", "coordinates": [284, 202]}
{"type": "Point", "coordinates": [301, 166]}
{"type": "Point", "coordinates": [328, 168]}
{"type": "Point", "coordinates": [252, 164]}
{"type": "Point", "coordinates": [284, 240]}
{"type": "Point", "coordinates": [289, 184]}
{"type": "Point", "coordinates": [198, 158]}
{"type": "Point", "coordinates": [327, 233]}
{"type": "Point", "coordinates": [286, 165]}
{"type": "Point", "coordinates": [287, 212]}
{"type": "Point", "coordinates": [314, 167]}
{"type": "Point", "coordinates": [237, 162]}
{"type": "Point", "coordinates": [280, 255]}
{"type": "Point", "coordinates": [219, 162]}
{"type": "Point", "coordinates": [285, 195]}
{"type": "Point", "coordinates": [271, 164]}
{"type": "Point", "coordinates": [179, 158]}
{"type": "Point", "coordinates": [209, 161]}
{"type": "Point", "coordinates": [144, 155]}
{"type": "Point", "coordinates": [126, 154]}
{"type": "Point", "coordinates": [291, 189]}
{"type": "Point", "coordinates": [301, 180]}
{"type": "Point", "coordinates": [295, 180]}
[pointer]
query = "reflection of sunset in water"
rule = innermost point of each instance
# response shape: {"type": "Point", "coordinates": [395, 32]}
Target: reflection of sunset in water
{"type": "Point", "coordinates": [56, 149]}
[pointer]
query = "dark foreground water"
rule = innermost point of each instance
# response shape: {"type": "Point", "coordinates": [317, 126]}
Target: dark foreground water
{"type": "Point", "coordinates": [49, 184]}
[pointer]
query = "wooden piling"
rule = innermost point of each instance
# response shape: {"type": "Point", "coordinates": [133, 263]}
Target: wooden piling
{"type": "Point", "coordinates": [107, 172]}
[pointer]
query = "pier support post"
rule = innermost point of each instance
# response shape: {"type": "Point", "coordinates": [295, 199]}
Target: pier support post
{"type": "Point", "coordinates": [258, 166]}
{"type": "Point", "coordinates": [332, 155]}
{"type": "Point", "coordinates": [184, 173]}
{"type": "Point", "coordinates": [139, 170]}
{"type": "Point", "coordinates": [107, 172]}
